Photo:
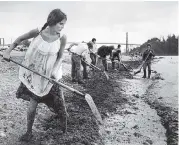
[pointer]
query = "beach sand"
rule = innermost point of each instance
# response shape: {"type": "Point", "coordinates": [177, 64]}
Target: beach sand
{"type": "Point", "coordinates": [127, 114]}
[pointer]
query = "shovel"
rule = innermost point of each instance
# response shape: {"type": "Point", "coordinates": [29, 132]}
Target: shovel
{"type": "Point", "coordinates": [140, 67]}
{"type": "Point", "coordinates": [87, 97]}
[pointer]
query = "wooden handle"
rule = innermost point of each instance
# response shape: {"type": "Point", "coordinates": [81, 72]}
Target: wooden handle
{"type": "Point", "coordinates": [144, 61]}
{"type": "Point", "coordinates": [50, 79]}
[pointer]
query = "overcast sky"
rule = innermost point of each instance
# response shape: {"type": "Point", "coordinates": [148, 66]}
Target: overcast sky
{"type": "Point", "coordinates": [106, 21]}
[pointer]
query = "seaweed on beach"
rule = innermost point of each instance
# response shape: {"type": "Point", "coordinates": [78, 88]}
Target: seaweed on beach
{"type": "Point", "coordinates": [82, 126]}
{"type": "Point", "coordinates": [169, 117]}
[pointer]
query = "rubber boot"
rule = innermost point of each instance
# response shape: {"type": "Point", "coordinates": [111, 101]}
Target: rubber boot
{"type": "Point", "coordinates": [113, 65]}
{"type": "Point", "coordinates": [105, 64]}
{"type": "Point", "coordinates": [144, 76]}
{"type": "Point", "coordinates": [149, 73]}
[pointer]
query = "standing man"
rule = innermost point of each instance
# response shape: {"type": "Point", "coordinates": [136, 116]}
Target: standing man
{"type": "Point", "coordinates": [79, 51]}
{"type": "Point", "coordinates": [147, 57]}
{"type": "Point", "coordinates": [116, 53]}
{"type": "Point", "coordinates": [104, 51]}
{"type": "Point", "coordinates": [93, 50]}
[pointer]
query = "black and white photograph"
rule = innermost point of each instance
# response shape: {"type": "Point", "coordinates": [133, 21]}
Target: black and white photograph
{"type": "Point", "coordinates": [89, 72]}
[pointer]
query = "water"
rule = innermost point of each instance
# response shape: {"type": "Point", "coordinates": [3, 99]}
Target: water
{"type": "Point", "coordinates": [167, 89]}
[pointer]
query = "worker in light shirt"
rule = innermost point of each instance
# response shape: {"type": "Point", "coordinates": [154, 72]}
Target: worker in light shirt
{"type": "Point", "coordinates": [93, 50]}
{"type": "Point", "coordinates": [80, 52]}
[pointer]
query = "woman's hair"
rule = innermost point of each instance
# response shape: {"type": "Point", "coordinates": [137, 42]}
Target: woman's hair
{"type": "Point", "coordinates": [118, 45]}
{"type": "Point", "coordinates": [54, 17]}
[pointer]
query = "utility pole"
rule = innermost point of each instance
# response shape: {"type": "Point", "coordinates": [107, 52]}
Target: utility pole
{"type": "Point", "coordinates": [126, 42]}
{"type": "Point", "coordinates": [2, 41]}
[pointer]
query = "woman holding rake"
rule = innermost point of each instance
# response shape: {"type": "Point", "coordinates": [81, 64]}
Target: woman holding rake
{"type": "Point", "coordinates": [44, 55]}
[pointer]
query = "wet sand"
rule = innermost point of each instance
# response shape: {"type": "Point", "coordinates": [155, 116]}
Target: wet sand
{"type": "Point", "coordinates": [162, 96]}
{"type": "Point", "coordinates": [135, 123]}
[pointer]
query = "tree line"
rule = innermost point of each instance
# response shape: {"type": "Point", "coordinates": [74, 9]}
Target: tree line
{"type": "Point", "coordinates": [164, 47]}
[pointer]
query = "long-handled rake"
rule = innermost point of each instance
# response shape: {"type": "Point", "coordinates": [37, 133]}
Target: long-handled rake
{"type": "Point", "coordinates": [125, 67]}
{"type": "Point", "coordinates": [140, 67]}
{"type": "Point", "coordinates": [91, 65]}
{"type": "Point", "coordinates": [110, 60]}
{"type": "Point", "coordinates": [87, 97]}
{"type": "Point", "coordinates": [119, 63]}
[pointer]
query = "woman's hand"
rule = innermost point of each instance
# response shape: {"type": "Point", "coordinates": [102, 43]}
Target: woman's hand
{"type": "Point", "coordinates": [53, 79]}
{"type": "Point", "coordinates": [56, 68]}
{"type": "Point", "coordinates": [54, 74]}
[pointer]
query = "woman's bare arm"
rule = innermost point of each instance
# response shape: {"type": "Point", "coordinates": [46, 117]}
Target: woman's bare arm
{"type": "Point", "coordinates": [28, 35]}
{"type": "Point", "coordinates": [58, 62]}
{"type": "Point", "coordinates": [63, 41]}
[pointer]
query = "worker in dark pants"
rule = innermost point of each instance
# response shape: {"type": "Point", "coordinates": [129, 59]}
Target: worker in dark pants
{"type": "Point", "coordinates": [104, 51]}
{"type": "Point", "coordinates": [79, 51]}
{"type": "Point", "coordinates": [147, 55]}
{"type": "Point", "coordinates": [93, 50]}
{"type": "Point", "coordinates": [116, 53]}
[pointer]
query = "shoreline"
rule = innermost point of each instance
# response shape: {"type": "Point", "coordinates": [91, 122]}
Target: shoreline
{"type": "Point", "coordinates": [169, 115]}
{"type": "Point", "coordinates": [142, 124]}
